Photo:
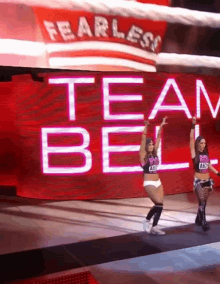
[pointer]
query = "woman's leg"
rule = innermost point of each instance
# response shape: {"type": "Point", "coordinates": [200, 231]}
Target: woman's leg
{"type": "Point", "coordinates": [202, 196]}
{"type": "Point", "coordinates": [198, 220]}
{"type": "Point", "coordinates": [156, 195]}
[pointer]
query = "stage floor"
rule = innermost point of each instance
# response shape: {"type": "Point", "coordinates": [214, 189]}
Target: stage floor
{"type": "Point", "coordinates": [107, 237]}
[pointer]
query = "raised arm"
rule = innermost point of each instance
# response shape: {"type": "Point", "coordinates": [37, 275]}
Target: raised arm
{"type": "Point", "coordinates": [159, 133]}
{"type": "Point", "coordinates": [192, 138]}
{"type": "Point", "coordinates": [142, 152]}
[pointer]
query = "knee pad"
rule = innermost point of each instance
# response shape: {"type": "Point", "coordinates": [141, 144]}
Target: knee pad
{"type": "Point", "coordinates": [159, 209]}
{"type": "Point", "coordinates": [159, 204]}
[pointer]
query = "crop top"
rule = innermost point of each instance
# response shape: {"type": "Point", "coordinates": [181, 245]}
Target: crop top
{"type": "Point", "coordinates": [201, 164]}
{"type": "Point", "coordinates": [151, 165]}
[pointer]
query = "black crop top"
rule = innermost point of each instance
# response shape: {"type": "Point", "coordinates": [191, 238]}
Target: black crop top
{"type": "Point", "coordinates": [151, 165]}
{"type": "Point", "coordinates": [201, 163]}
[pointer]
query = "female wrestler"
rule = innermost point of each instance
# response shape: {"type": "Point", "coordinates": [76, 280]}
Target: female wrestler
{"type": "Point", "coordinates": [152, 184]}
{"type": "Point", "coordinates": [202, 181]}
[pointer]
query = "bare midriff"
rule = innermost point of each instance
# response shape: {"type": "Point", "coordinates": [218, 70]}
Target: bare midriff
{"type": "Point", "coordinates": [153, 177]}
{"type": "Point", "coordinates": [202, 175]}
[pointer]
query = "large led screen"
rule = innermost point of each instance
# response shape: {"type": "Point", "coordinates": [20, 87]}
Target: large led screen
{"type": "Point", "coordinates": [77, 135]}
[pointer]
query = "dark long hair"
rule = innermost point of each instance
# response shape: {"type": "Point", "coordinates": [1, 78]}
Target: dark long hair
{"type": "Point", "coordinates": [154, 153]}
{"type": "Point", "coordinates": [206, 151]}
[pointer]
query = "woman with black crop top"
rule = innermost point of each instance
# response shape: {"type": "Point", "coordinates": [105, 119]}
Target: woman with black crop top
{"type": "Point", "coordinates": [202, 181]}
{"type": "Point", "coordinates": [152, 184]}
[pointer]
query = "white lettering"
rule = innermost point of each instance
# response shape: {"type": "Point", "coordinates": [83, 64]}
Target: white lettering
{"type": "Point", "coordinates": [134, 34]}
{"type": "Point", "coordinates": [65, 30]}
{"type": "Point", "coordinates": [199, 87]}
{"type": "Point", "coordinates": [107, 149]}
{"type": "Point", "coordinates": [117, 98]}
{"type": "Point", "coordinates": [155, 43]}
{"type": "Point", "coordinates": [115, 29]}
{"type": "Point", "coordinates": [158, 106]}
{"type": "Point", "coordinates": [147, 40]}
{"type": "Point", "coordinates": [101, 25]}
{"type": "Point", "coordinates": [71, 90]}
{"type": "Point", "coordinates": [50, 27]}
{"type": "Point", "coordinates": [84, 28]}
{"type": "Point", "coordinates": [46, 150]}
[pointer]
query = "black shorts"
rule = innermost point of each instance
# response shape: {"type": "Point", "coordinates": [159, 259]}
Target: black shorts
{"type": "Point", "coordinates": [203, 183]}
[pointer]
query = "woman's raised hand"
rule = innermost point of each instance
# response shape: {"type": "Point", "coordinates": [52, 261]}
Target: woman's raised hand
{"type": "Point", "coordinates": [164, 121]}
{"type": "Point", "coordinates": [194, 120]}
{"type": "Point", "coordinates": [146, 122]}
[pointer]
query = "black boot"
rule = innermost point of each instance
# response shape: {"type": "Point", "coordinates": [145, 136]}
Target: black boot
{"type": "Point", "coordinates": [205, 225]}
{"type": "Point", "coordinates": [198, 220]}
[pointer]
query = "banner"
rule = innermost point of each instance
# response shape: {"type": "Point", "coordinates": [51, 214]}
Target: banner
{"type": "Point", "coordinates": [35, 34]}
{"type": "Point", "coordinates": [100, 42]}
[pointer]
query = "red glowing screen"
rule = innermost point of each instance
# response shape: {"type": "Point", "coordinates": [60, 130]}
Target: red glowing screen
{"type": "Point", "coordinates": [77, 135]}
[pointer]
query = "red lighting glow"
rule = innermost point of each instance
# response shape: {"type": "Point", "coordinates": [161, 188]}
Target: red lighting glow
{"type": "Point", "coordinates": [79, 134]}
